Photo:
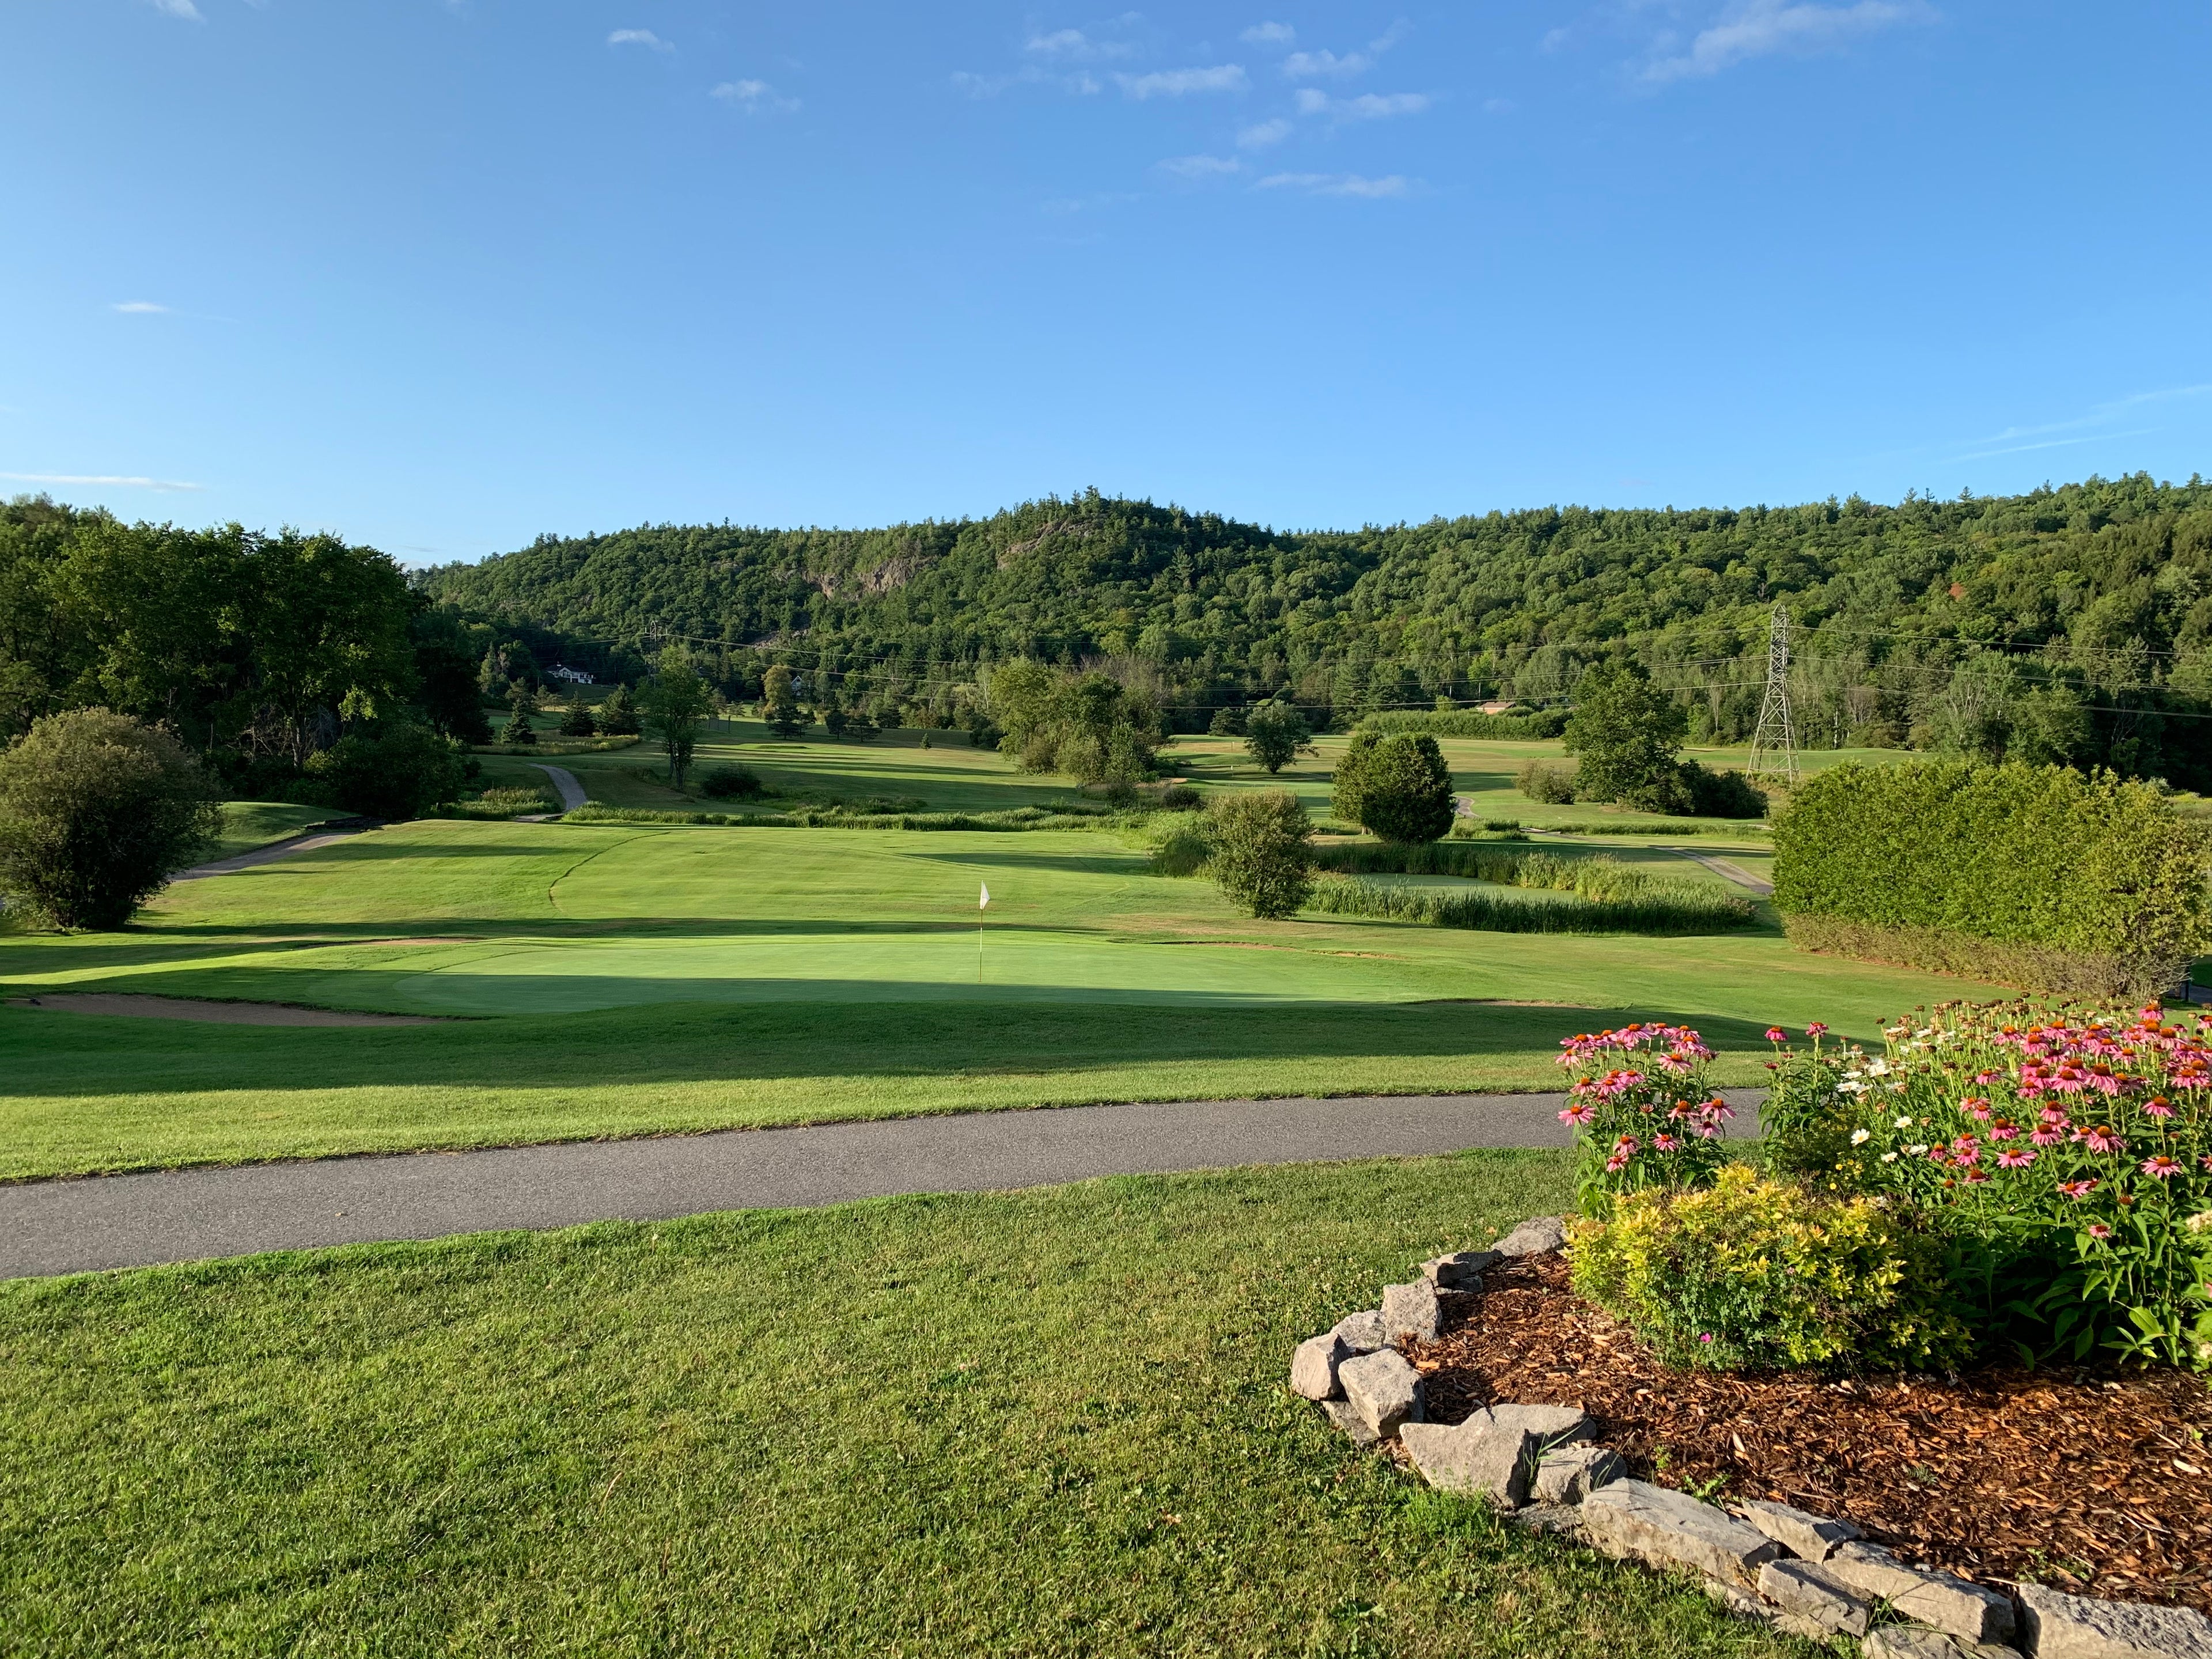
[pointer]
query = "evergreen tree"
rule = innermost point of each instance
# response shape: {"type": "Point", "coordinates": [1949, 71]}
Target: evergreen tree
{"type": "Point", "coordinates": [780, 703]}
{"type": "Point", "coordinates": [518, 729]}
{"type": "Point", "coordinates": [577, 721]}
{"type": "Point", "coordinates": [618, 715]}
{"type": "Point", "coordinates": [1405, 789]}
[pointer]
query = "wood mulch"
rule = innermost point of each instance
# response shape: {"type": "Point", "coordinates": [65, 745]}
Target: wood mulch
{"type": "Point", "coordinates": [2099, 1483]}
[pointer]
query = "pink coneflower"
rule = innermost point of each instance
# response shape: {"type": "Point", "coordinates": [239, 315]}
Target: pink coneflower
{"type": "Point", "coordinates": [1578, 1113]}
{"type": "Point", "coordinates": [1625, 1146]}
{"type": "Point", "coordinates": [1617, 1163]}
{"type": "Point", "coordinates": [2158, 1164]}
{"type": "Point", "coordinates": [2158, 1106]}
{"type": "Point", "coordinates": [1977, 1178]}
{"type": "Point", "coordinates": [2015, 1157]}
{"type": "Point", "coordinates": [1974, 1106]}
{"type": "Point", "coordinates": [2099, 1231]}
{"type": "Point", "coordinates": [1666, 1143]}
{"type": "Point", "coordinates": [1815, 1029]}
{"type": "Point", "coordinates": [1776, 1033]}
{"type": "Point", "coordinates": [2004, 1129]}
{"type": "Point", "coordinates": [2100, 1139]}
{"type": "Point", "coordinates": [1982, 1079]}
{"type": "Point", "coordinates": [2078, 1190]}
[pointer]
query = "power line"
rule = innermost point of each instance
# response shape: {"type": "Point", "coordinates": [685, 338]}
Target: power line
{"type": "Point", "coordinates": [1774, 745]}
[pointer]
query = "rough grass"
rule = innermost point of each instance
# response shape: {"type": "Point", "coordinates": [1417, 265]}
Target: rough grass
{"type": "Point", "coordinates": [1050, 1423]}
{"type": "Point", "coordinates": [1681, 909]}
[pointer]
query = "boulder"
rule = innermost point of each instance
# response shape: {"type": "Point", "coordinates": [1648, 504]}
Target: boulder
{"type": "Point", "coordinates": [1812, 1600]}
{"type": "Point", "coordinates": [1475, 1457]}
{"type": "Point", "coordinates": [1633, 1518]}
{"type": "Point", "coordinates": [1361, 1332]}
{"type": "Point", "coordinates": [1919, 1642]}
{"type": "Point", "coordinates": [1383, 1388]}
{"type": "Point", "coordinates": [1533, 1237]}
{"type": "Point", "coordinates": [1411, 1312]}
{"type": "Point", "coordinates": [1808, 1536]}
{"type": "Point", "coordinates": [1346, 1416]}
{"type": "Point", "coordinates": [1313, 1367]}
{"type": "Point", "coordinates": [1565, 1519]}
{"type": "Point", "coordinates": [1461, 1271]}
{"type": "Point", "coordinates": [1951, 1605]}
{"type": "Point", "coordinates": [2061, 1626]}
{"type": "Point", "coordinates": [1572, 1473]}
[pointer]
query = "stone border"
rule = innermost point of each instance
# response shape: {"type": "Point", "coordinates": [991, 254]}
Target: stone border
{"type": "Point", "coordinates": [1800, 1573]}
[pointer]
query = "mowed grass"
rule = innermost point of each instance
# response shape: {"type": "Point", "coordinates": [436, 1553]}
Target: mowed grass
{"type": "Point", "coordinates": [618, 980]}
{"type": "Point", "coordinates": [1048, 1423]}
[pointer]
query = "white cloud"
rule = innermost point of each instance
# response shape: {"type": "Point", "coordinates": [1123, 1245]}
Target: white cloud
{"type": "Point", "coordinates": [141, 308]}
{"type": "Point", "coordinates": [1498, 106]}
{"type": "Point", "coordinates": [1176, 83]}
{"type": "Point", "coordinates": [1337, 184]}
{"type": "Point", "coordinates": [640, 38]}
{"type": "Point", "coordinates": [1312, 101]}
{"type": "Point", "coordinates": [1314, 65]}
{"type": "Point", "coordinates": [1260, 134]}
{"type": "Point", "coordinates": [1271, 34]}
{"type": "Point", "coordinates": [1202, 166]}
{"type": "Point", "coordinates": [1758, 28]}
{"type": "Point", "coordinates": [2015, 440]}
{"type": "Point", "coordinates": [1368, 107]}
{"type": "Point", "coordinates": [184, 8]}
{"type": "Point", "coordinates": [1073, 46]}
{"type": "Point", "coordinates": [754, 97]}
{"type": "Point", "coordinates": [108, 480]}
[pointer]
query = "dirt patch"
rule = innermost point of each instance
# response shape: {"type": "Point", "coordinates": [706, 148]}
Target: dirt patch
{"type": "Point", "coordinates": [2096, 1483]}
{"type": "Point", "coordinates": [210, 1013]}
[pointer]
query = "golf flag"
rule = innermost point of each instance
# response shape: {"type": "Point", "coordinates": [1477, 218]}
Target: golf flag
{"type": "Point", "coordinates": [984, 903]}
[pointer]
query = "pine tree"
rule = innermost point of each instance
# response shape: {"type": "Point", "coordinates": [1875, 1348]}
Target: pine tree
{"type": "Point", "coordinates": [517, 728]}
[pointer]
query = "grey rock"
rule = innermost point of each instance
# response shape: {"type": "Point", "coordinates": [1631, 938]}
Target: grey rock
{"type": "Point", "coordinates": [1535, 1237]}
{"type": "Point", "coordinates": [1951, 1605]}
{"type": "Point", "coordinates": [1383, 1388]}
{"type": "Point", "coordinates": [1346, 1416]}
{"type": "Point", "coordinates": [1739, 1602]}
{"type": "Point", "coordinates": [1410, 1312]}
{"type": "Point", "coordinates": [1802, 1533]}
{"type": "Point", "coordinates": [2061, 1626]}
{"type": "Point", "coordinates": [1565, 1519]}
{"type": "Point", "coordinates": [1919, 1642]}
{"type": "Point", "coordinates": [1812, 1596]}
{"type": "Point", "coordinates": [1475, 1457]}
{"type": "Point", "coordinates": [1313, 1367]}
{"type": "Point", "coordinates": [1461, 1271]}
{"type": "Point", "coordinates": [1362, 1333]}
{"type": "Point", "coordinates": [1572, 1473]}
{"type": "Point", "coordinates": [1633, 1518]}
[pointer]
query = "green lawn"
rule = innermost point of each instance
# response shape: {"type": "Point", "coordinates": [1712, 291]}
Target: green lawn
{"type": "Point", "coordinates": [1048, 1423]}
{"type": "Point", "coordinates": [247, 824]}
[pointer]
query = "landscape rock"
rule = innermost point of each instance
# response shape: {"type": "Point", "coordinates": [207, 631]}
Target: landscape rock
{"type": "Point", "coordinates": [1739, 1602]}
{"type": "Point", "coordinates": [1951, 1605]}
{"type": "Point", "coordinates": [1572, 1473]}
{"type": "Point", "coordinates": [1383, 1388]}
{"type": "Point", "coordinates": [1535, 1237]}
{"type": "Point", "coordinates": [1361, 1332]}
{"type": "Point", "coordinates": [1810, 1596]}
{"type": "Point", "coordinates": [1810, 1537]}
{"type": "Point", "coordinates": [1345, 1416]}
{"type": "Point", "coordinates": [1565, 1519]}
{"type": "Point", "coordinates": [1461, 1271]}
{"type": "Point", "coordinates": [2061, 1626]}
{"type": "Point", "coordinates": [1313, 1367]}
{"type": "Point", "coordinates": [1410, 1312]}
{"type": "Point", "coordinates": [1633, 1518]}
{"type": "Point", "coordinates": [1919, 1642]}
{"type": "Point", "coordinates": [1476, 1457]}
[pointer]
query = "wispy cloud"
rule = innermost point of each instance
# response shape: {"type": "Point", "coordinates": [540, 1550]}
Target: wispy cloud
{"type": "Point", "coordinates": [1202, 166]}
{"type": "Point", "coordinates": [184, 8]}
{"type": "Point", "coordinates": [1270, 34]}
{"type": "Point", "coordinates": [1759, 29]}
{"type": "Point", "coordinates": [645, 38]}
{"type": "Point", "coordinates": [1368, 107]}
{"type": "Point", "coordinates": [1073, 46]}
{"type": "Point", "coordinates": [755, 97]}
{"type": "Point", "coordinates": [1179, 83]}
{"type": "Point", "coordinates": [2019, 439]}
{"type": "Point", "coordinates": [1337, 184]}
{"type": "Point", "coordinates": [1262, 134]}
{"type": "Point", "coordinates": [1313, 65]}
{"type": "Point", "coordinates": [110, 481]}
{"type": "Point", "coordinates": [140, 308]}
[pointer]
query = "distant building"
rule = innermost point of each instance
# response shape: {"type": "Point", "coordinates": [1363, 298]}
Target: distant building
{"type": "Point", "coordinates": [1492, 708]}
{"type": "Point", "coordinates": [573, 675]}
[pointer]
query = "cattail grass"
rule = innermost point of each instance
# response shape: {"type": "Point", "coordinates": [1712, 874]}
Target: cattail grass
{"type": "Point", "coordinates": [1693, 909]}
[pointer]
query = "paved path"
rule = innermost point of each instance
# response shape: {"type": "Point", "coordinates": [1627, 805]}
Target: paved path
{"type": "Point", "coordinates": [572, 793]}
{"type": "Point", "coordinates": [1728, 871]}
{"type": "Point", "coordinates": [276, 849]}
{"type": "Point", "coordinates": [132, 1220]}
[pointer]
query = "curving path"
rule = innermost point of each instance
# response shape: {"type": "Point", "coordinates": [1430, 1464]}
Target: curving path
{"type": "Point", "coordinates": [182, 1215]}
{"type": "Point", "coordinates": [276, 849]}
{"type": "Point", "coordinates": [572, 792]}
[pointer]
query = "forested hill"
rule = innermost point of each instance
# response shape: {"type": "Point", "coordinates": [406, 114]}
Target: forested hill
{"type": "Point", "coordinates": [1924, 622]}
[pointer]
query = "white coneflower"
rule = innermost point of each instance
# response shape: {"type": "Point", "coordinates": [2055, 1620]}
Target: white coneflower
{"type": "Point", "coordinates": [1860, 1137]}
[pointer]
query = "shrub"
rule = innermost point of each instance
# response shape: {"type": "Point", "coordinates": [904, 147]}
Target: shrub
{"type": "Point", "coordinates": [1553, 785]}
{"type": "Point", "coordinates": [1181, 849]}
{"type": "Point", "coordinates": [1724, 794]}
{"type": "Point", "coordinates": [1753, 1275]}
{"type": "Point", "coordinates": [1262, 850]}
{"type": "Point", "coordinates": [1405, 789]}
{"type": "Point", "coordinates": [390, 769]}
{"type": "Point", "coordinates": [1181, 797]}
{"type": "Point", "coordinates": [2102, 879]}
{"type": "Point", "coordinates": [578, 721]}
{"type": "Point", "coordinates": [505, 802]}
{"type": "Point", "coordinates": [1274, 731]}
{"type": "Point", "coordinates": [725, 782]}
{"type": "Point", "coordinates": [1704, 910]}
{"type": "Point", "coordinates": [96, 813]}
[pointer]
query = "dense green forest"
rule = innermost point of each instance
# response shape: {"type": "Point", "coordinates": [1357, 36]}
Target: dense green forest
{"type": "Point", "coordinates": [2071, 623]}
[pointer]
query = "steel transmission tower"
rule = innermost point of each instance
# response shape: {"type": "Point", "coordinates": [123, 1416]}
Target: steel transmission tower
{"type": "Point", "coordinates": [1774, 746]}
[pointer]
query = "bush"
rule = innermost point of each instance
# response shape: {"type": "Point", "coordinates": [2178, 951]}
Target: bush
{"type": "Point", "coordinates": [96, 813]}
{"type": "Point", "coordinates": [1722, 794]}
{"type": "Point", "coordinates": [1181, 797]}
{"type": "Point", "coordinates": [1262, 850]}
{"type": "Point", "coordinates": [1553, 785]}
{"type": "Point", "coordinates": [1467, 723]}
{"type": "Point", "coordinates": [1274, 731]}
{"type": "Point", "coordinates": [1226, 723]}
{"type": "Point", "coordinates": [1396, 786]}
{"type": "Point", "coordinates": [725, 782]}
{"type": "Point", "coordinates": [391, 769]}
{"type": "Point", "coordinates": [2102, 881]}
{"type": "Point", "coordinates": [505, 802]}
{"type": "Point", "coordinates": [1753, 1275]}
{"type": "Point", "coordinates": [1181, 850]}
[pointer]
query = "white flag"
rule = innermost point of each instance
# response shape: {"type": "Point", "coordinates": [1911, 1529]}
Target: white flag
{"type": "Point", "coordinates": [984, 903]}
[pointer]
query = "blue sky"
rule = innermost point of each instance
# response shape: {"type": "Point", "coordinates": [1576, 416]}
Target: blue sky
{"type": "Point", "coordinates": [441, 275]}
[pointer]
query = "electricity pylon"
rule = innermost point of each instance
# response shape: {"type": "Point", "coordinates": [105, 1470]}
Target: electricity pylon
{"type": "Point", "coordinates": [1774, 746]}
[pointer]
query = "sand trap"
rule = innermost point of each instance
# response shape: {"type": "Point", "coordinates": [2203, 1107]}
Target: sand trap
{"type": "Point", "coordinates": [210, 1013]}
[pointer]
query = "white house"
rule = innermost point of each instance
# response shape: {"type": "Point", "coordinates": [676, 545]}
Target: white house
{"type": "Point", "coordinates": [573, 675]}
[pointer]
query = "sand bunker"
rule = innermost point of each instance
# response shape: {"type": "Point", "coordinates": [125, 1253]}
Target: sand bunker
{"type": "Point", "coordinates": [211, 1013]}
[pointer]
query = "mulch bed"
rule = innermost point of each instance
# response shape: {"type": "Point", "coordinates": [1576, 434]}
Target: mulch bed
{"type": "Point", "coordinates": [2099, 1483]}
